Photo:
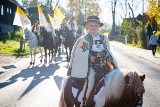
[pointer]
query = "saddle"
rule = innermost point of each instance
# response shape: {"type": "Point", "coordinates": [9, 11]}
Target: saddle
{"type": "Point", "coordinates": [79, 84]}
{"type": "Point", "coordinates": [40, 39]}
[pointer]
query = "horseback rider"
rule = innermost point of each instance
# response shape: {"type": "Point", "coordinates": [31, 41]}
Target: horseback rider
{"type": "Point", "coordinates": [36, 27]}
{"type": "Point", "coordinates": [91, 57]}
{"type": "Point", "coordinates": [36, 31]}
{"type": "Point", "coordinates": [71, 26]}
{"type": "Point", "coordinates": [79, 32]}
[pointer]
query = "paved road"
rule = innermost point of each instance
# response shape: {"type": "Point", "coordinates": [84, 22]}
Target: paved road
{"type": "Point", "coordinates": [32, 86]}
{"type": "Point", "coordinates": [127, 57]}
{"type": "Point", "coordinates": [22, 85]}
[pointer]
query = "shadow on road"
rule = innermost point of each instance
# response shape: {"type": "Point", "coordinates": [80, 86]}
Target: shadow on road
{"type": "Point", "coordinates": [8, 67]}
{"type": "Point", "coordinates": [37, 73]}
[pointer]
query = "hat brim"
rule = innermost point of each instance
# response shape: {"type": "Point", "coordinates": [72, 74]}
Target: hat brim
{"type": "Point", "coordinates": [92, 20]}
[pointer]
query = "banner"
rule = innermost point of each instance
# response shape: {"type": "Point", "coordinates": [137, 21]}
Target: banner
{"type": "Point", "coordinates": [58, 18]}
{"type": "Point", "coordinates": [42, 19]}
{"type": "Point", "coordinates": [56, 23]}
{"type": "Point", "coordinates": [21, 19]}
{"type": "Point", "coordinates": [58, 14]}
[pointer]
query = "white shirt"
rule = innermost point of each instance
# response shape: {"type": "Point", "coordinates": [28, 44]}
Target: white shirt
{"type": "Point", "coordinates": [97, 47]}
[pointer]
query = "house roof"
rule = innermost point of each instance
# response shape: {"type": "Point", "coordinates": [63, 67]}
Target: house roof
{"type": "Point", "coordinates": [16, 3]}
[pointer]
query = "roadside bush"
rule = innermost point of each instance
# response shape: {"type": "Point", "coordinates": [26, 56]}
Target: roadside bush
{"type": "Point", "coordinates": [138, 32]}
{"type": "Point", "coordinates": [16, 35]}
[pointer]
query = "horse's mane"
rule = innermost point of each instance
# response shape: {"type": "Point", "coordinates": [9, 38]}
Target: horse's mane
{"type": "Point", "coordinates": [115, 85]}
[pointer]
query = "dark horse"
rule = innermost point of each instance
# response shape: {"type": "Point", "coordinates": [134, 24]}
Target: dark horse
{"type": "Point", "coordinates": [48, 43]}
{"type": "Point", "coordinates": [59, 41]}
{"type": "Point", "coordinates": [69, 41]}
{"type": "Point", "coordinates": [119, 88]}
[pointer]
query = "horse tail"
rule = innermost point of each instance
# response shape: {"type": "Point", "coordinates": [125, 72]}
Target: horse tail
{"type": "Point", "coordinates": [61, 100]}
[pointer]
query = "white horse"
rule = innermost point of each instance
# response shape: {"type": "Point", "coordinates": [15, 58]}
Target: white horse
{"type": "Point", "coordinates": [32, 43]}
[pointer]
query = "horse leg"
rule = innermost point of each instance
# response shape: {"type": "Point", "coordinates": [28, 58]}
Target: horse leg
{"type": "Point", "coordinates": [59, 50]}
{"type": "Point", "coordinates": [68, 96]}
{"type": "Point", "coordinates": [49, 55]}
{"type": "Point", "coordinates": [41, 54]}
{"type": "Point", "coordinates": [67, 54]}
{"type": "Point", "coordinates": [31, 55]}
{"type": "Point", "coordinates": [54, 54]}
{"type": "Point", "coordinates": [45, 59]}
{"type": "Point", "coordinates": [70, 51]}
{"type": "Point", "coordinates": [34, 55]}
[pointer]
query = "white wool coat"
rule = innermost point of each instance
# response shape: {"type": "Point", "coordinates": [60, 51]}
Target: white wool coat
{"type": "Point", "coordinates": [79, 63]}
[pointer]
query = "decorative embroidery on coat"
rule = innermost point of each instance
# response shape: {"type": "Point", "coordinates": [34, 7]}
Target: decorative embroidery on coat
{"type": "Point", "coordinates": [85, 46]}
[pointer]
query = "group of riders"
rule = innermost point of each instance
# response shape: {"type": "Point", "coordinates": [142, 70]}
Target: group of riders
{"type": "Point", "coordinates": [60, 33]}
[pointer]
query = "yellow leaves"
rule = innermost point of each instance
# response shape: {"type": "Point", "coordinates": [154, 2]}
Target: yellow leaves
{"type": "Point", "coordinates": [154, 11]}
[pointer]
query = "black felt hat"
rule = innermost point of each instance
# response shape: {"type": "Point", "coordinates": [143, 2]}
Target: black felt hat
{"type": "Point", "coordinates": [93, 18]}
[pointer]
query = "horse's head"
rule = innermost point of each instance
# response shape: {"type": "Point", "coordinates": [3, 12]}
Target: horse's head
{"type": "Point", "coordinates": [134, 88]}
{"type": "Point", "coordinates": [26, 32]}
{"type": "Point", "coordinates": [43, 31]}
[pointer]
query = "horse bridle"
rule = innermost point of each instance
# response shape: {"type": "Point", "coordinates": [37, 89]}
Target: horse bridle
{"type": "Point", "coordinates": [27, 32]}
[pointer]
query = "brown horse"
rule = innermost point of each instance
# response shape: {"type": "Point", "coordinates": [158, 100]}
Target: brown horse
{"type": "Point", "coordinates": [119, 88]}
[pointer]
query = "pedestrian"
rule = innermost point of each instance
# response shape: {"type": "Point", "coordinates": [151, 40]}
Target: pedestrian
{"type": "Point", "coordinates": [153, 43]}
{"type": "Point", "coordinates": [71, 26]}
{"type": "Point", "coordinates": [79, 32]}
{"type": "Point", "coordinates": [89, 55]}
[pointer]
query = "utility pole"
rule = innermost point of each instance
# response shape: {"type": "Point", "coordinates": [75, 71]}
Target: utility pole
{"type": "Point", "coordinates": [113, 31]}
{"type": "Point", "coordinates": [144, 38]}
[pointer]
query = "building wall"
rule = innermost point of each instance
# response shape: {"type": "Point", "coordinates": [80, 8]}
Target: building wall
{"type": "Point", "coordinates": [7, 13]}
{"type": "Point", "coordinates": [6, 28]}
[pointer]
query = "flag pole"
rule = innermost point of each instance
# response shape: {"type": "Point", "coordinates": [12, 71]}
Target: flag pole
{"type": "Point", "coordinates": [55, 6]}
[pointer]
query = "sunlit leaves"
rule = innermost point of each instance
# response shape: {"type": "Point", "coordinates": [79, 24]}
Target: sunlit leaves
{"type": "Point", "coordinates": [87, 7]}
{"type": "Point", "coordinates": [154, 11]}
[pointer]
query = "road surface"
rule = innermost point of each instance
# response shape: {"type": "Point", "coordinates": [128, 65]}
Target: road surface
{"type": "Point", "coordinates": [23, 85]}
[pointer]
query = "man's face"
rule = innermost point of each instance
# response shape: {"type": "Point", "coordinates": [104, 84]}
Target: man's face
{"type": "Point", "coordinates": [93, 27]}
{"type": "Point", "coordinates": [36, 23]}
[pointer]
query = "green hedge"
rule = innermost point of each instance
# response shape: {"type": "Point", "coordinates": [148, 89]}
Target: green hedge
{"type": "Point", "coordinates": [15, 35]}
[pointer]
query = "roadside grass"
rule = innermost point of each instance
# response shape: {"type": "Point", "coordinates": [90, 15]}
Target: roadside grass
{"type": "Point", "coordinates": [11, 47]}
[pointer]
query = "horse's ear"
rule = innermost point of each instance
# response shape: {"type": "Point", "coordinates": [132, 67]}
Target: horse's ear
{"type": "Point", "coordinates": [142, 77]}
{"type": "Point", "coordinates": [127, 79]}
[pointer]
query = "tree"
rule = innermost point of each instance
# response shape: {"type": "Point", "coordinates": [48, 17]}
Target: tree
{"type": "Point", "coordinates": [33, 3]}
{"type": "Point", "coordinates": [86, 7]}
{"type": "Point", "coordinates": [113, 4]}
{"type": "Point", "coordinates": [80, 18]}
{"type": "Point", "coordinates": [153, 11]}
